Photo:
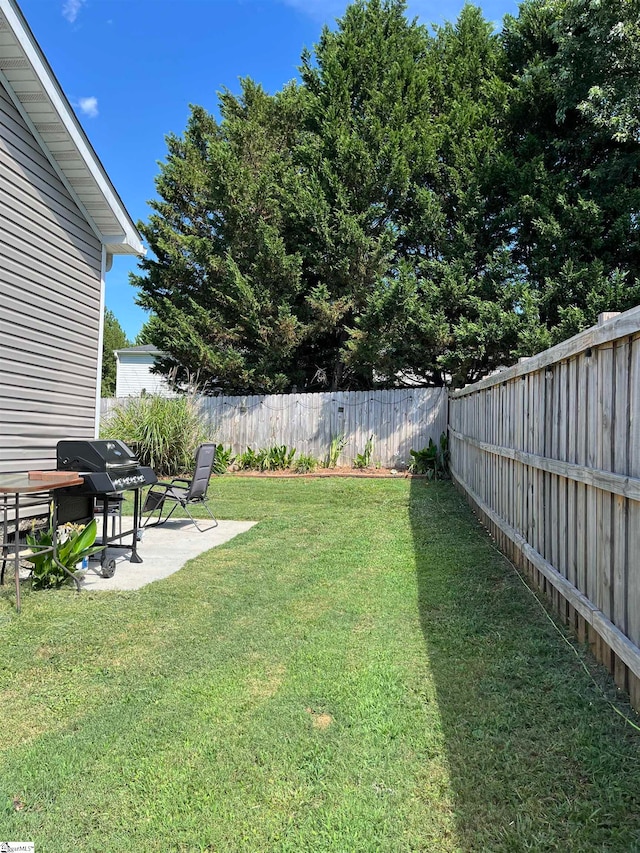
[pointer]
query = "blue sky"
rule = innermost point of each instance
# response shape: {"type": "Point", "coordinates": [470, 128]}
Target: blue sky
{"type": "Point", "coordinates": [131, 67]}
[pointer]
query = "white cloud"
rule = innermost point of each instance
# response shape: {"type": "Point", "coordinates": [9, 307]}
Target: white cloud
{"type": "Point", "coordinates": [89, 106]}
{"type": "Point", "coordinates": [71, 9]}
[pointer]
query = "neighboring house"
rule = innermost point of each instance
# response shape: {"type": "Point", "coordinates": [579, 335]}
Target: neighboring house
{"type": "Point", "coordinates": [133, 372]}
{"type": "Point", "coordinates": [61, 222]}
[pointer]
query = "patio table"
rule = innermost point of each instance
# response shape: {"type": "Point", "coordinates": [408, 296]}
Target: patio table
{"type": "Point", "coordinates": [24, 490]}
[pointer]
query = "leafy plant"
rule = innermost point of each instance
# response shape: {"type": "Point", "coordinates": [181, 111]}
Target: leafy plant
{"type": "Point", "coordinates": [336, 447]}
{"type": "Point", "coordinates": [247, 461]}
{"type": "Point", "coordinates": [363, 459]}
{"type": "Point", "coordinates": [164, 432]}
{"type": "Point", "coordinates": [432, 460]}
{"type": "Point", "coordinates": [75, 542]}
{"type": "Point", "coordinates": [276, 458]}
{"type": "Point", "coordinates": [223, 459]}
{"type": "Point", "coordinates": [305, 464]}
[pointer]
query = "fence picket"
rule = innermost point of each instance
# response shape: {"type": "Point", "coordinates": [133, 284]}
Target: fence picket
{"type": "Point", "coordinates": [399, 419]}
{"type": "Point", "coordinates": [560, 481]}
{"type": "Point", "coordinates": [633, 530]}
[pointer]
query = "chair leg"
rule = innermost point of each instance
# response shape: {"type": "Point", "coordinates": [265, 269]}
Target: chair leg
{"type": "Point", "coordinates": [144, 522]}
{"type": "Point", "coordinates": [160, 520]}
{"type": "Point", "coordinates": [200, 529]}
{"type": "Point", "coordinates": [208, 509]}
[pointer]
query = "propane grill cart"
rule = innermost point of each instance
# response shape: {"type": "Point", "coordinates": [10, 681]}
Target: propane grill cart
{"type": "Point", "coordinates": [107, 468]}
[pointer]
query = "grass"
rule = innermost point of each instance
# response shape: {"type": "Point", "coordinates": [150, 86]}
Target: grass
{"type": "Point", "coordinates": [359, 672]}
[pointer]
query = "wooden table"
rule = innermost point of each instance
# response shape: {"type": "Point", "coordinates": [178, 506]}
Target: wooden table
{"type": "Point", "coordinates": [29, 489]}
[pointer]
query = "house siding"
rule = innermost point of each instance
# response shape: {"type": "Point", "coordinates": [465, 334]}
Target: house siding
{"type": "Point", "coordinates": [50, 284]}
{"type": "Point", "coordinates": [133, 376]}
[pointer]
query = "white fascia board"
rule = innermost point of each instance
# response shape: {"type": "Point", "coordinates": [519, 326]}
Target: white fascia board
{"type": "Point", "coordinates": [114, 242]}
{"type": "Point", "coordinates": [150, 353]}
{"type": "Point", "coordinates": [46, 77]}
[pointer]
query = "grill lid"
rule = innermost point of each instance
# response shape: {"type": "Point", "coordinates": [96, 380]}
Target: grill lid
{"type": "Point", "coordinates": [109, 455]}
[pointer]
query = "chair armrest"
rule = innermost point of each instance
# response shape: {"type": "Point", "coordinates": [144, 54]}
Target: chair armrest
{"type": "Point", "coordinates": [181, 480]}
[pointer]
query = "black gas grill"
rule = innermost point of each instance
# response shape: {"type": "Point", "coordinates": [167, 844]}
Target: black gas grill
{"type": "Point", "coordinates": [108, 468]}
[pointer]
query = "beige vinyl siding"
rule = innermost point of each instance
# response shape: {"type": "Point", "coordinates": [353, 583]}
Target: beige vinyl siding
{"type": "Point", "coordinates": [50, 264]}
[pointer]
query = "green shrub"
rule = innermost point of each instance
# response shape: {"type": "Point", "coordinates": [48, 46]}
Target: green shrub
{"type": "Point", "coordinates": [224, 458]}
{"type": "Point", "coordinates": [305, 464]}
{"type": "Point", "coordinates": [247, 461]}
{"type": "Point", "coordinates": [276, 458]}
{"type": "Point", "coordinates": [432, 460]}
{"type": "Point", "coordinates": [75, 542]}
{"type": "Point", "coordinates": [336, 447]}
{"type": "Point", "coordinates": [363, 460]}
{"type": "Point", "coordinates": [164, 432]}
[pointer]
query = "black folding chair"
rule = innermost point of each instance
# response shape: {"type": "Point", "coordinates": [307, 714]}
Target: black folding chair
{"type": "Point", "coordinates": [194, 491]}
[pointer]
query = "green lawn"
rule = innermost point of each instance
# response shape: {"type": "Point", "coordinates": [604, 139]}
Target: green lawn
{"type": "Point", "coordinates": [359, 672]}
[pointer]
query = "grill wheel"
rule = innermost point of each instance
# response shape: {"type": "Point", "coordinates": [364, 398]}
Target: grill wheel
{"type": "Point", "coordinates": [109, 568]}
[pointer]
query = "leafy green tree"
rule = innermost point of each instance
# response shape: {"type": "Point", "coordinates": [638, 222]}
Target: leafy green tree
{"type": "Point", "coordinates": [570, 179]}
{"type": "Point", "coordinates": [224, 284]}
{"type": "Point", "coordinates": [422, 205]}
{"type": "Point", "coordinates": [597, 60]}
{"type": "Point", "coordinates": [114, 338]}
{"type": "Point", "coordinates": [458, 306]}
{"type": "Point", "coordinates": [369, 146]}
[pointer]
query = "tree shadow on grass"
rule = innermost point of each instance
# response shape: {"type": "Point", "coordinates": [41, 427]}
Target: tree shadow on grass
{"type": "Point", "coordinates": [538, 760]}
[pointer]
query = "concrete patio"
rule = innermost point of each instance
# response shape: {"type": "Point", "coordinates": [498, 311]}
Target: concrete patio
{"type": "Point", "coordinates": [164, 551]}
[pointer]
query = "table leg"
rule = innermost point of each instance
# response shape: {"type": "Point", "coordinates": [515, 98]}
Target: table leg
{"type": "Point", "coordinates": [5, 537]}
{"type": "Point", "coordinates": [16, 556]}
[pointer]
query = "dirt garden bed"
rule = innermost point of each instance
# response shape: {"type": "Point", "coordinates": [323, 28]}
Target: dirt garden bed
{"type": "Point", "coordinates": [331, 472]}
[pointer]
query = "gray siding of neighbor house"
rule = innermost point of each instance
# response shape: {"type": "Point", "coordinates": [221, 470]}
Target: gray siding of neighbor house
{"type": "Point", "coordinates": [50, 263]}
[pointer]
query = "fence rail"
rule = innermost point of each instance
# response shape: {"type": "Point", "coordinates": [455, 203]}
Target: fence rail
{"type": "Point", "coordinates": [399, 420]}
{"type": "Point", "coordinates": [548, 453]}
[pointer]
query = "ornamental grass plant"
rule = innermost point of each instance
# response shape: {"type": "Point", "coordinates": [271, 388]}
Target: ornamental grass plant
{"type": "Point", "coordinates": [164, 432]}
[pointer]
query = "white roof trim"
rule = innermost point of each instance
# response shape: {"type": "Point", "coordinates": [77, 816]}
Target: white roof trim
{"type": "Point", "coordinates": [129, 241]}
{"type": "Point", "coordinates": [141, 352]}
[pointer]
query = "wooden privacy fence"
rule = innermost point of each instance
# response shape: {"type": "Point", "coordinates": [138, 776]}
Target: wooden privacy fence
{"type": "Point", "coordinates": [399, 420]}
{"type": "Point", "coordinates": [548, 453]}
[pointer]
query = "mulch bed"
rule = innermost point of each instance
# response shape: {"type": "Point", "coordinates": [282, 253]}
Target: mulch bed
{"type": "Point", "coordinates": [371, 473]}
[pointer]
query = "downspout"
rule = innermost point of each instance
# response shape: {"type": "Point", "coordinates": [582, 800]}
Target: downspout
{"type": "Point", "coordinates": [105, 266]}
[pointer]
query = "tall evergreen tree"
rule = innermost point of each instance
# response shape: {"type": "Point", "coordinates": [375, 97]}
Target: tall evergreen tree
{"type": "Point", "coordinates": [224, 283]}
{"type": "Point", "coordinates": [369, 144]}
{"type": "Point", "coordinates": [458, 306]}
{"type": "Point", "coordinates": [572, 190]}
{"type": "Point", "coordinates": [114, 337]}
{"type": "Point", "coordinates": [275, 227]}
{"type": "Point", "coordinates": [423, 206]}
